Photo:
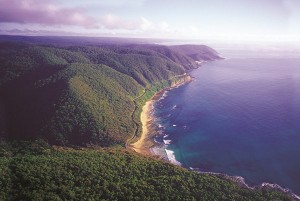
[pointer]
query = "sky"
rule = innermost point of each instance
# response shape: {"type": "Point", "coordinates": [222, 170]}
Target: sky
{"type": "Point", "coordinates": [244, 20]}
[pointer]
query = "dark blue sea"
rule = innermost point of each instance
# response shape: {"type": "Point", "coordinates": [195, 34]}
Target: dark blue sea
{"type": "Point", "coordinates": [240, 116]}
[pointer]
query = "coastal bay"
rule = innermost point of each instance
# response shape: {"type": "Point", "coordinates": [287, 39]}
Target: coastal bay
{"type": "Point", "coordinates": [150, 100]}
{"type": "Point", "coordinates": [146, 143]}
{"type": "Point", "coordinates": [77, 110]}
{"type": "Point", "coordinates": [234, 119]}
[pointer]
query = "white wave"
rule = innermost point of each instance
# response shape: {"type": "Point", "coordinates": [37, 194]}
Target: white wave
{"type": "Point", "coordinates": [165, 136]}
{"type": "Point", "coordinates": [194, 169]}
{"type": "Point", "coordinates": [276, 186]}
{"type": "Point", "coordinates": [163, 96]}
{"type": "Point", "coordinates": [174, 107]}
{"type": "Point", "coordinates": [199, 62]}
{"type": "Point", "coordinates": [171, 157]}
{"type": "Point", "coordinates": [174, 125]}
{"type": "Point", "coordinates": [167, 141]}
{"type": "Point", "coordinates": [241, 181]}
{"type": "Point", "coordinates": [152, 108]}
{"type": "Point", "coordinates": [160, 126]}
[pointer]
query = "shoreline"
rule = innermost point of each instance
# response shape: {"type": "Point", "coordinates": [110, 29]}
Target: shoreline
{"type": "Point", "coordinates": [144, 143]}
{"type": "Point", "coordinates": [147, 145]}
{"type": "Point", "coordinates": [240, 181]}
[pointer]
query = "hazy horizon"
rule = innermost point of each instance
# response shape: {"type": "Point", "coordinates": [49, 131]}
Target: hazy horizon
{"type": "Point", "coordinates": [215, 20]}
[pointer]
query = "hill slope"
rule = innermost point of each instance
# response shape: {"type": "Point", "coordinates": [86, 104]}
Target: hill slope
{"type": "Point", "coordinates": [37, 172]}
{"type": "Point", "coordinates": [197, 52]}
{"type": "Point", "coordinates": [80, 95]}
{"type": "Point", "coordinates": [84, 95]}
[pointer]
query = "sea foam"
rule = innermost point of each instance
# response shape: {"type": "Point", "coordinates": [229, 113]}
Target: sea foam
{"type": "Point", "coordinates": [171, 157]}
{"type": "Point", "coordinates": [163, 96]}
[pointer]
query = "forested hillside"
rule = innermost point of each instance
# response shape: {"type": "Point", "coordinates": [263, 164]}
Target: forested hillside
{"type": "Point", "coordinates": [39, 172]}
{"type": "Point", "coordinates": [71, 94]}
{"type": "Point", "coordinates": [197, 52]}
{"type": "Point", "coordinates": [79, 94]}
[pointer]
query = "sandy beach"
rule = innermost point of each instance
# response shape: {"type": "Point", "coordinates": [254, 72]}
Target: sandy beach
{"type": "Point", "coordinates": [145, 142]}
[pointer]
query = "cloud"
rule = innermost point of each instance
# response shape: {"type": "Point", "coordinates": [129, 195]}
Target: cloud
{"type": "Point", "coordinates": [52, 13]}
{"type": "Point", "coordinates": [160, 27]}
{"type": "Point", "coordinates": [38, 17]}
{"type": "Point", "coordinates": [46, 12]}
{"type": "Point", "coordinates": [294, 16]}
{"type": "Point", "coordinates": [111, 21]}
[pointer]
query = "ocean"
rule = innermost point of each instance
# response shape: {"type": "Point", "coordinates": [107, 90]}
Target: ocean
{"type": "Point", "coordinates": [239, 116]}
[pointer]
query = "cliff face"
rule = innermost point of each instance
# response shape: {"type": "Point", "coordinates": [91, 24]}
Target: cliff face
{"type": "Point", "coordinates": [181, 80]}
{"type": "Point", "coordinates": [79, 95]}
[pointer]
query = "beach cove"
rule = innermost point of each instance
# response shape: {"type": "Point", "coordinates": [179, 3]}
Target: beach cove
{"type": "Point", "coordinates": [172, 120]}
{"type": "Point", "coordinates": [146, 143]}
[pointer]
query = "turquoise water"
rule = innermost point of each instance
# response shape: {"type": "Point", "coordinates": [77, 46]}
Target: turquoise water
{"type": "Point", "coordinates": [240, 117]}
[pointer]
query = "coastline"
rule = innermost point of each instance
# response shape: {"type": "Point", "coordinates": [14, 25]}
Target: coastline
{"type": "Point", "coordinates": [239, 180]}
{"type": "Point", "coordinates": [146, 143]}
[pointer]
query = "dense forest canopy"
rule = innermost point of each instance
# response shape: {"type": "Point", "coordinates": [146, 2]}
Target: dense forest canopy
{"type": "Point", "coordinates": [81, 94]}
{"type": "Point", "coordinates": [38, 172]}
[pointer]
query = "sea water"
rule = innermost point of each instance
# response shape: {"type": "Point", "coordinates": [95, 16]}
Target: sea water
{"type": "Point", "coordinates": [240, 116]}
